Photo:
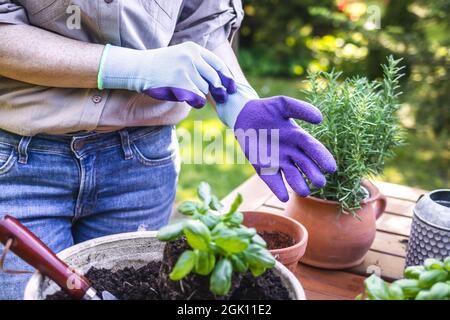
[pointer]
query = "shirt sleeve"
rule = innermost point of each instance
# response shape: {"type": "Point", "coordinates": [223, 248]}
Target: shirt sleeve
{"type": "Point", "coordinates": [208, 23]}
{"type": "Point", "coordinates": [12, 13]}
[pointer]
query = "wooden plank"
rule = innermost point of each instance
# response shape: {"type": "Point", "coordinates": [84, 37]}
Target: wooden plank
{"type": "Point", "coordinates": [273, 201]}
{"type": "Point", "coordinates": [313, 295]}
{"type": "Point", "coordinates": [398, 191]}
{"type": "Point", "coordinates": [390, 267]}
{"type": "Point", "coordinates": [390, 244]}
{"type": "Point", "coordinates": [254, 192]}
{"type": "Point", "coordinates": [329, 283]}
{"type": "Point", "coordinates": [394, 224]}
{"type": "Point", "coordinates": [400, 207]}
{"type": "Point", "coordinates": [270, 209]}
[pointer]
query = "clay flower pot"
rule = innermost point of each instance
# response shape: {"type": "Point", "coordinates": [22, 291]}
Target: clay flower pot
{"type": "Point", "coordinates": [270, 222]}
{"type": "Point", "coordinates": [337, 242]}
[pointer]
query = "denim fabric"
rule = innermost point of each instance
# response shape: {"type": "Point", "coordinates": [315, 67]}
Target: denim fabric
{"type": "Point", "coordinates": [69, 189]}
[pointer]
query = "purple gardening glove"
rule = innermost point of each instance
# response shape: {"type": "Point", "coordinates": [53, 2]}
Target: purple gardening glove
{"type": "Point", "coordinates": [297, 153]}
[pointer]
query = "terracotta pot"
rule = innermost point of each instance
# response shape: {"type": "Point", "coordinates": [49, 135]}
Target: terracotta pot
{"type": "Point", "coordinates": [337, 242]}
{"type": "Point", "coordinates": [264, 221]}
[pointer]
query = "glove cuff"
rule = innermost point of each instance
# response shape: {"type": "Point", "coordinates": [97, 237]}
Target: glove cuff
{"type": "Point", "coordinates": [229, 111]}
{"type": "Point", "coordinates": [119, 69]}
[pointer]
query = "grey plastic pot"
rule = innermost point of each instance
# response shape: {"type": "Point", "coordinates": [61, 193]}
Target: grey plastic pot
{"type": "Point", "coordinates": [126, 250]}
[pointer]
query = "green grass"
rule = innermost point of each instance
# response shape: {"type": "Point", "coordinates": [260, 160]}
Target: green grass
{"type": "Point", "coordinates": [422, 162]}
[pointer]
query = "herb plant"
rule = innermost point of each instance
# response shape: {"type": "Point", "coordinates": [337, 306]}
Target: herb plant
{"type": "Point", "coordinates": [359, 127]}
{"type": "Point", "coordinates": [220, 244]}
{"type": "Point", "coordinates": [428, 282]}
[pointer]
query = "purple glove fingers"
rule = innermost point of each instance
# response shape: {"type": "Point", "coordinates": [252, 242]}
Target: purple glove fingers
{"type": "Point", "coordinates": [296, 109]}
{"type": "Point", "coordinates": [316, 151]}
{"type": "Point", "coordinates": [177, 94]}
{"type": "Point", "coordinates": [296, 180]}
{"type": "Point", "coordinates": [208, 75]}
{"type": "Point", "coordinates": [276, 184]}
{"type": "Point", "coordinates": [310, 169]}
{"type": "Point", "coordinates": [228, 83]}
{"type": "Point", "coordinates": [219, 94]}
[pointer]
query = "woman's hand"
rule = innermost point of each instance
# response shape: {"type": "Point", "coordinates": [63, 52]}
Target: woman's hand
{"type": "Point", "coordinates": [184, 72]}
{"type": "Point", "coordinates": [265, 130]}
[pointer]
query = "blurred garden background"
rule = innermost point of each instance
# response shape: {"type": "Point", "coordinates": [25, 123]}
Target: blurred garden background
{"type": "Point", "coordinates": [281, 40]}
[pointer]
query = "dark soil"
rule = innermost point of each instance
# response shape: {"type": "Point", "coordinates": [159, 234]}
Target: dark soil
{"type": "Point", "coordinates": [141, 284]}
{"type": "Point", "coordinates": [151, 283]}
{"type": "Point", "coordinates": [277, 240]}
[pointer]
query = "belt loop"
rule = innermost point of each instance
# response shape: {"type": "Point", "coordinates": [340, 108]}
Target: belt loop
{"type": "Point", "coordinates": [126, 146]}
{"type": "Point", "coordinates": [23, 149]}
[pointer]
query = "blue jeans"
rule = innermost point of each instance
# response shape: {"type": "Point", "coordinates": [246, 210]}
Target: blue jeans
{"type": "Point", "coordinates": [68, 189]}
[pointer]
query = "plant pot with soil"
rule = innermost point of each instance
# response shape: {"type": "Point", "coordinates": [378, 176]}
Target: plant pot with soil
{"type": "Point", "coordinates": [361, 129]}
{"type": "Point", "coordinates": [286, 238]}
{"type": "Point", "coordinates": [211, 255]}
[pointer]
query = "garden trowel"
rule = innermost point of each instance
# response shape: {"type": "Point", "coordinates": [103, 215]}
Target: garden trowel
{"type": "Point", "coordinates": [32, 250]}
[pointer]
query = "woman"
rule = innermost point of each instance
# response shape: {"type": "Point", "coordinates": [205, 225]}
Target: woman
{"type": "Point", "coordinates": [89, 96]}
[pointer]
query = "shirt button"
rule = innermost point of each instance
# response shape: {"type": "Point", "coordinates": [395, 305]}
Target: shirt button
{"type": "Point", "coordinates": [96, 99]}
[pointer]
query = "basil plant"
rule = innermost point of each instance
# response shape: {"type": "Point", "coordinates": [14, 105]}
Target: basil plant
{"type": "Point", "coordinates": [219, 244]}
{"type": "Point", "coordinates": [430, 281]}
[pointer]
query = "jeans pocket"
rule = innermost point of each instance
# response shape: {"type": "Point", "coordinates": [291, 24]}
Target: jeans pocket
{"type": "Point", "coordinates": [156, 148]}
{"type": "Point", "coordinates": [7, 158]}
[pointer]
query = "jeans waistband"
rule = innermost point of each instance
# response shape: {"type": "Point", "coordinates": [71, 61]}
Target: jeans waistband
{"type": "Point", "coordinates": [79, 143]}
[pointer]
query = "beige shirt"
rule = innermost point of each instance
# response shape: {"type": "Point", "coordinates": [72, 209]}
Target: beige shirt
{"type": "Point", "coordinates": [28, 109]}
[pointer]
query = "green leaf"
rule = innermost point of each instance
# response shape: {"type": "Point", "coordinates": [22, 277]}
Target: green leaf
{"type": "Point", "coordinates": [239, 264]}
{"type": "Point", "coordinates": [234, 219]}
{"type": "Point", "coordinates": [188, 208]}
{"type": "Point", "coordinates": [215, 204]}
{"type": "Point", "coordinates": [413, 272]}
{"type": "Point", "coordinates": [396, 292]}
{"type": "Point", "coordinates": [257, 270]}
{"type": "Point", "coordinates": [430, 277]}
{"type": "Point", "coordinates": [440, 291]}
{"type": "Point", "coordinates": [204, 262]}
{"type": "Point", "coordinates": [218, 229]}
{"type": "Point", "coordinates": [236, 203]}
{"type": "Point", "coordinates": [257, 255]}
{"type": "Point", "coordinates": [447, 264]}
{"type": "Point", "coordinates": [243, 231]}
{"type": "Point", "coordinates": [229, 241]}
{"type": "Point", "coordinates": [410, 287]}
{"type": "Point", "coordinates": [424, 295]}
{"type": "Point", "coordinates": [184, 266]}
{"type": "Point", "coordinates": [257, 239]}
{"type": "Point", "coordinates": [220, 282]}
{"type": "Point", "coordinates": [197, 234]}
{"type": "Point", "coordinates": [376, 288]}
{"type": "Point", "coordinates": [171, 231]}
{"type": "Point", "coordinates": [204, 193]}
{"type": "Point", "coordinates": [210, 219]}
{"type": "Point", "coordinates": [432, 263]}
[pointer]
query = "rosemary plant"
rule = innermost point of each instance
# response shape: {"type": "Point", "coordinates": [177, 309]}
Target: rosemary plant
{"type": "Point", "coordinates": [360, 128]}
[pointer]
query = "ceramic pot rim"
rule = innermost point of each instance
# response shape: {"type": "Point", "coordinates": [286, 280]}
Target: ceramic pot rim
{"type": "Point", "coordinates": [303, 229]}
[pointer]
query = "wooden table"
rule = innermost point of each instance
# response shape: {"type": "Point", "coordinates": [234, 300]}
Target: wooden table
{"type": "Point", "coordinates": [387, 254]}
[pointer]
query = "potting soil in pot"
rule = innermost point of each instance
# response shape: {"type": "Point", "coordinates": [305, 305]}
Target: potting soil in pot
{"type": "Point", "coordinates": [151, 282]}
{"type": "Point", "coordinates": [277, 240]}
{"type": "Point", "coordinates": [141, 284]}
